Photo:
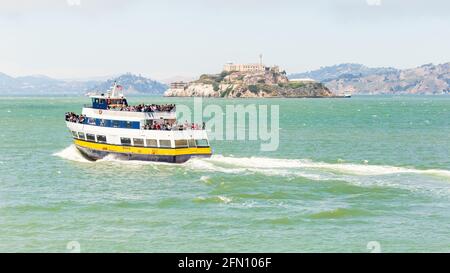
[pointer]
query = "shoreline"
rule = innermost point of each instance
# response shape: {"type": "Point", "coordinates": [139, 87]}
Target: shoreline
{"type": "Point", "coordinates": [272, 97]}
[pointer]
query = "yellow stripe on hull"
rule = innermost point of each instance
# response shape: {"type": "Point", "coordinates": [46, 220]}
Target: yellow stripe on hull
{"type": "Point", "coordinates": [142, 150]}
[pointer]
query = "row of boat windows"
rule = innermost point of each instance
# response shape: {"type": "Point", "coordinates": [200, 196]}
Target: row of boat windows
{"type": "Point", "coordinates": [140, 142]}
{"type": "Point", "coordinates": [112, 123]}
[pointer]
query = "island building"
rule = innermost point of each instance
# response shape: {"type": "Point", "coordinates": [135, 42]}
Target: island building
{"type": "Point", "coordinates": [255, 67]}
{"type": "Point", "coordinates": [229, 67]}
{"type": "Point", "coordinates": [178, 85]}
{"type": "Point", "coordinates": [232, 67]}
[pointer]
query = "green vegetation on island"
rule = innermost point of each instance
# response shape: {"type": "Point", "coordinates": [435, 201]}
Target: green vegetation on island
{"type": "Point", "coordinates": [267, 82]}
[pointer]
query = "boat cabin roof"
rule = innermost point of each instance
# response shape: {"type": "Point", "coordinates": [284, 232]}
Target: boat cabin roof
{"type": "Point", "coordinates": [115, 100]}
{"type": "Point", "coordinates": [103, 96]}
{"type": "Point", "coordinates": [104, 102]}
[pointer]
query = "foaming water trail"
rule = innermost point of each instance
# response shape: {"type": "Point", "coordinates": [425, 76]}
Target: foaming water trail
{"type": "Point", "coordinates": [370, 170]}
{"type": "Point", "coordinates": [213, 199]}
{"type": "Point", "coordinates": [269, 166]}
{"type": "Point", "coordinates": [205, 179]}
{"type": "Point", "coordinates": [431, 180]}
{"type": "Point", "coordinates": [208, 165]}
{"type": "Point", "coordinates": [264, 163]}
{"type": "Point", "coordinates": [73, 154]}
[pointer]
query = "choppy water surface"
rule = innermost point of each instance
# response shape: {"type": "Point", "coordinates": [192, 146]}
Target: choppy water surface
{"type": "Point", "coordinates": [347, 172]}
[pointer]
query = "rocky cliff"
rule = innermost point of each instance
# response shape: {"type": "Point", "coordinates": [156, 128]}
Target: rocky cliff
{"type": "Point", "coordinates": [268, 83]}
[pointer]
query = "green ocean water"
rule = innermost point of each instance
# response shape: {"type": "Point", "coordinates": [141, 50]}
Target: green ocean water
{"type": "Point", "coordinates": [347, 172]}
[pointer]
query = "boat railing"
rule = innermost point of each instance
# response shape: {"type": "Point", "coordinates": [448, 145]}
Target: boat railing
{"type": "Point", "coordinates": [136, 111]}
{"type": "Point", "coordinates": [132, 111]}
{"type": "Point", "coordinates": [175, 129]}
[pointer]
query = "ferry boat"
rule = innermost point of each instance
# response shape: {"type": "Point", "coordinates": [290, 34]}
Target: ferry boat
{"type": "Point", "coordinates": [143, 132]}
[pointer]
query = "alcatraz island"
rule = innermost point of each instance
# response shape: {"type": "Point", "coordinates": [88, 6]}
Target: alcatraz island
{"type": "Point", "coordinates": [249, 81]}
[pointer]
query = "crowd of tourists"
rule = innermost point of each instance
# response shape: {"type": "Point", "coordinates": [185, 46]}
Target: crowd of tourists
{"type": "Point", "coordinates": [174, 126]}
{"type": "Point", "coordinates": [144, 108]}
{"type": "Point", "coordinates": [72, 117]}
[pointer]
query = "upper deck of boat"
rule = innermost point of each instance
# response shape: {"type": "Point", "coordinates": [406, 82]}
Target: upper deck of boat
{"type": "Point", "coordinates": [129, 115]}
{"type": "Point", "coordinates": [115, 105]}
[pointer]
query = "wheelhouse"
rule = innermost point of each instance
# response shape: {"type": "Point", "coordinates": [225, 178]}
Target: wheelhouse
{"type": "Point", "coordinates": [103, 102]}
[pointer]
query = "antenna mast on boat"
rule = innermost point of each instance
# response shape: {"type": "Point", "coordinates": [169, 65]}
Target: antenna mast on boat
{"type": "Point", "coordinates": [115, 91]}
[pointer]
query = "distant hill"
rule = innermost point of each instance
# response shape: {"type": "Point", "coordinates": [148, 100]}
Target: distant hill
{"type": "Point", "coordinates": [43, 85]}
{"type": "Point", "coordinates": [332, 72]}
{"type": "Point", "coordinates": [355, 78]}
{"type": "Point", "coordinates": [360, 79]}
{"type": "Point", "coordinates": [134, 84]}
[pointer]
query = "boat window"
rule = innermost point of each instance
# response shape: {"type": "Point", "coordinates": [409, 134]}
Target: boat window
{"type": "Point", "coordinates": [165, 143]}
{"type": "Point", "coordinates": [191, 143]}
{"type": "Point", "coordinates": [90, 137]}
{"type": "Point", "coordinates": [181, 143]}
{"type": "Point", "coordinates": [128, 124]}
{"type": "Point", "coordinates": [115, 123]}
{"type": "Point", "coordinates": [151, 142]}
{"type": "Point", "coordinates": [202, 142]}
{"type": "Point", "coordinates": [74, 134]}
{"type": "Point", "coordinates": [81, 135]}
{"type": "Point", "coordinates": [91, 121]}
{"type": "Point", "coordinates": [125, 141]}
{"type": "Point", "coordinates": [102, 122]}
{"type": "Point", "coordinates": [101, 139]}
{"type": "Point", "coordinates": [138, 142]}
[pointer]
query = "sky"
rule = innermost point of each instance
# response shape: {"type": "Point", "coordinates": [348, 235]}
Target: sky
{"type": "Point", "coordinates": [71, 39]}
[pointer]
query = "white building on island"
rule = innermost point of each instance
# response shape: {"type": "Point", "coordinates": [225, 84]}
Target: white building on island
{"type": "Point", "coordinates": [178, 85]}
{"type": "Point", "coordinates": [255, 67]}
{"type": "Point", "coordinates": [243, 67]}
